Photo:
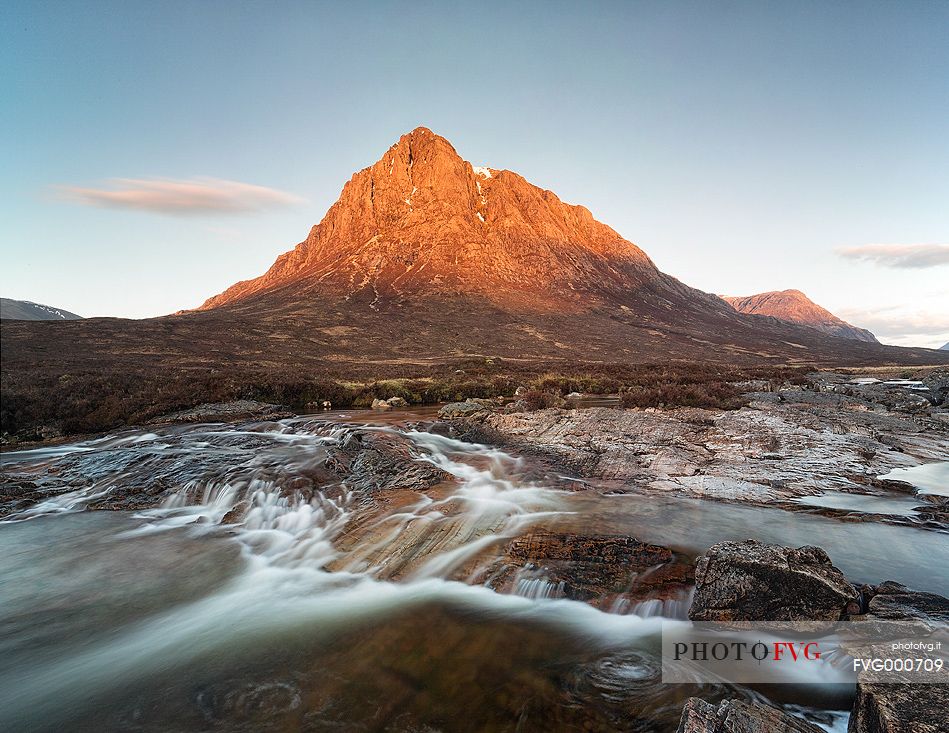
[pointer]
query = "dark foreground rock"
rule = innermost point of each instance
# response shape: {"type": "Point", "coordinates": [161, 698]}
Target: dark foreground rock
{"type": "Point", "coordinates": [590, 568]}
{"type": "Point", "coordinates": [738, 716]}
{"type": "Point", "coordinates": [752, 581]}
{"type": "Point", "coordinates": [895, 602]}
{"type": "Point", "coordinates": [900, 708]}
{"type": "Point", "coordinates": [910, 707]}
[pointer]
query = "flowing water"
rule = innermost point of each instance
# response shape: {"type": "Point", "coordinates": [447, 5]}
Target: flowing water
{"type": "Point", "coordinates": [261, 595]}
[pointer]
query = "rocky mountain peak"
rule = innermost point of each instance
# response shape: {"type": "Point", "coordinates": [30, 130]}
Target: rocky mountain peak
{"type": "Point", "coordinates": [422, 219]}
{"type": "Point", "coordinates": [793, 306]}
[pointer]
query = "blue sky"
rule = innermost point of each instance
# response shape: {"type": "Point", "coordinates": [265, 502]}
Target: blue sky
{"type": "Point", "coordinates": [745, 146]}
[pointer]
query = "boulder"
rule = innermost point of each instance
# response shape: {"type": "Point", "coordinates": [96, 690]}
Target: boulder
{"type": "Point", "coordinates": [752, 581]}
{"type": "Point", "coordinates": [399, 403]}
{"type": "Point", "coordinates": [938, 383]}
{"type": "Point", "coordinates": [910, 707]}
{"type": "Point", "coordinates": [378, 404]}
{"type": "Point", "coordinates": [739, 716]}
{"type": "Point", "coordinates": [892, 601]}
{"type": "Point", "coordinates": [900, 708]}
{"type": "Point", "coordinates": [465, 409]}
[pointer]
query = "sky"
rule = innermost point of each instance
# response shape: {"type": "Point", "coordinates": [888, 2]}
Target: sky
{"type": "Point", "coordinates": [152, 154]}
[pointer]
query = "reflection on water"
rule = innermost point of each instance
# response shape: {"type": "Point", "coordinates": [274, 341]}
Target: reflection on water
{"type": "Point", "coordinates": [865, 503]}
{"type": "Point", "coordinates": [929, 478]}
{"type": "Point", "coordinates": [284, 616]}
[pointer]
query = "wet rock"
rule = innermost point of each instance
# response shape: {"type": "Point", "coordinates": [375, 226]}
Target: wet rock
{"type": "Point", "coordinates": [591, 567]}
{"type": "Point", "coordinates": [371, 461]}
{"type": "Point", "coordinates": [900, 708]}
{"type": "Point", "coordinates": [146, 472]}
{"type": "Point", "coordinates": [893, 601]}
{"type": "Point", "coordinates": [467, 408]}
{"type": "Point", "coordinates": [227, 412]}
{"type": "Point", "coordinates": [768, 453]}
{"type": "Point", "coordinates": [739, 716]}
{"type": "Point", "coordinates": [441, 428]}
{"type": "Point", "coordinates": [938, 383]}
{"type": "Point", "coordinates": [393, 403]}
{"type": "Point", "coordinates": [752, 581]}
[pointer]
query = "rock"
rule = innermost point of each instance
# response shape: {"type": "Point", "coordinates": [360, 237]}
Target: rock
{"type": "Point", "coordinates": [465, 409]}
{"type": "Point", "coordinates": [372, 461]}
{"type": "Point", "coordinates": [327, 405]}
{"type": "Point", "coordinates": [227, 412]}
{"type": "Point", "coordinates": [938, 383]}
{"type": "Point", "coordinates": [896, 707]}
{"type": "Point", "coordinates": [766, 454]}
{"type": "Point", "coordinates": [595, 567]}
{"type": "Point", "coordinates": [574, 396]}
{"type": "Point", "coordinates": [900, 708]}
{"type": "Point", "coordinates": [893, 601]}
{"type": "Point", "coordinates": [738, 716]}
{"type": "Point", "coordinates": [378, 404]}
{"type": "Point", "coordinates": [751, 581]}
{"type": "Point", "coordinates": [520, 391]}
{"type": "Point", "coordinates": [399, 403]}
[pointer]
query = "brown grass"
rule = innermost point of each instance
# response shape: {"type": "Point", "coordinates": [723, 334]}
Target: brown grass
{"type": "Point", "coordinates": [89, 402]}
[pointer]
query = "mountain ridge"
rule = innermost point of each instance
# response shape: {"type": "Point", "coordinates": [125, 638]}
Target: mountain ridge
{"type": "Point", "coordinates": [793, 306]}
{"type": "Point", "coordinates": [27, 310]}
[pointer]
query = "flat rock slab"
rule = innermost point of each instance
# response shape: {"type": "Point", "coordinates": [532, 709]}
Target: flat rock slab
{"type": "Point", "coordinates": [783, 447]}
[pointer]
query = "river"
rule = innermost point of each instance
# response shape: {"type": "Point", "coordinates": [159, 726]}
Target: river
{"type": "Point", "coordinates": [319, 608]}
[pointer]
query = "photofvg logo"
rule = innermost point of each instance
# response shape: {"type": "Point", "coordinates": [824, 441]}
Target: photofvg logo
{"type": "Point", "coordinates": [784, 652]}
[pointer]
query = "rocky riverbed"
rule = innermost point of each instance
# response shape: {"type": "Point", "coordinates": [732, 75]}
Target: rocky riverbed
{"type": "Point", "coordinates": [822, 448]}
{"type": "Point", "coordinates": [492, 569]}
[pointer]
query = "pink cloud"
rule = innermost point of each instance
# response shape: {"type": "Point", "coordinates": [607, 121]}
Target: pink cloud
{"type": "Point", "coordinates": [181, 197]}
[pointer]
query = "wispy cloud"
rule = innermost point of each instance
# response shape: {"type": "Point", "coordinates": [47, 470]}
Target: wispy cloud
{"type": "Point", "coordinates": [181, 197]}
{"type": "Point", "coordinates": [906, 256]}
{"type": "Point", "coordinates": [924, 324]}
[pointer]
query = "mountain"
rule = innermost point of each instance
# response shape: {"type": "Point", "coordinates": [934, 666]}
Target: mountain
{"type": "Point", "coordinates": [944, 347]}
{"type": "Point", "coordinates": [422, 222]}
{"type": "Point", "coordinates": [426, 256]}
{"type": "Point", "coordinates": [25, 310]}
{"type": "Point", "coordinates": [793, 306]}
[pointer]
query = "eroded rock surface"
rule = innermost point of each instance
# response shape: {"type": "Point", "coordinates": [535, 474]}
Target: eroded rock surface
{"type": "Point", "coordinates": [145, 471]}
{"type": "Point", "coordinates": [227, 412]}
{"type": "Point", "coordinates": [784, 446]}
{"type": "Point", "coordinates": [900, 708]}
{"type": "Point", "coordinates": [752, 581]}
{"type": "Point", "coordinates": [739, 716]}
{"type": "Point", "coordinates": [602, 568]}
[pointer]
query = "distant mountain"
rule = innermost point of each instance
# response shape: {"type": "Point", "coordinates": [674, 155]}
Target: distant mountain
{"type": "Point", "coordinates": [944, 347]}
{"type": "Point", "coordinates": [792, 306]}
{"type": "Point", "coordinates": [25, 310]}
